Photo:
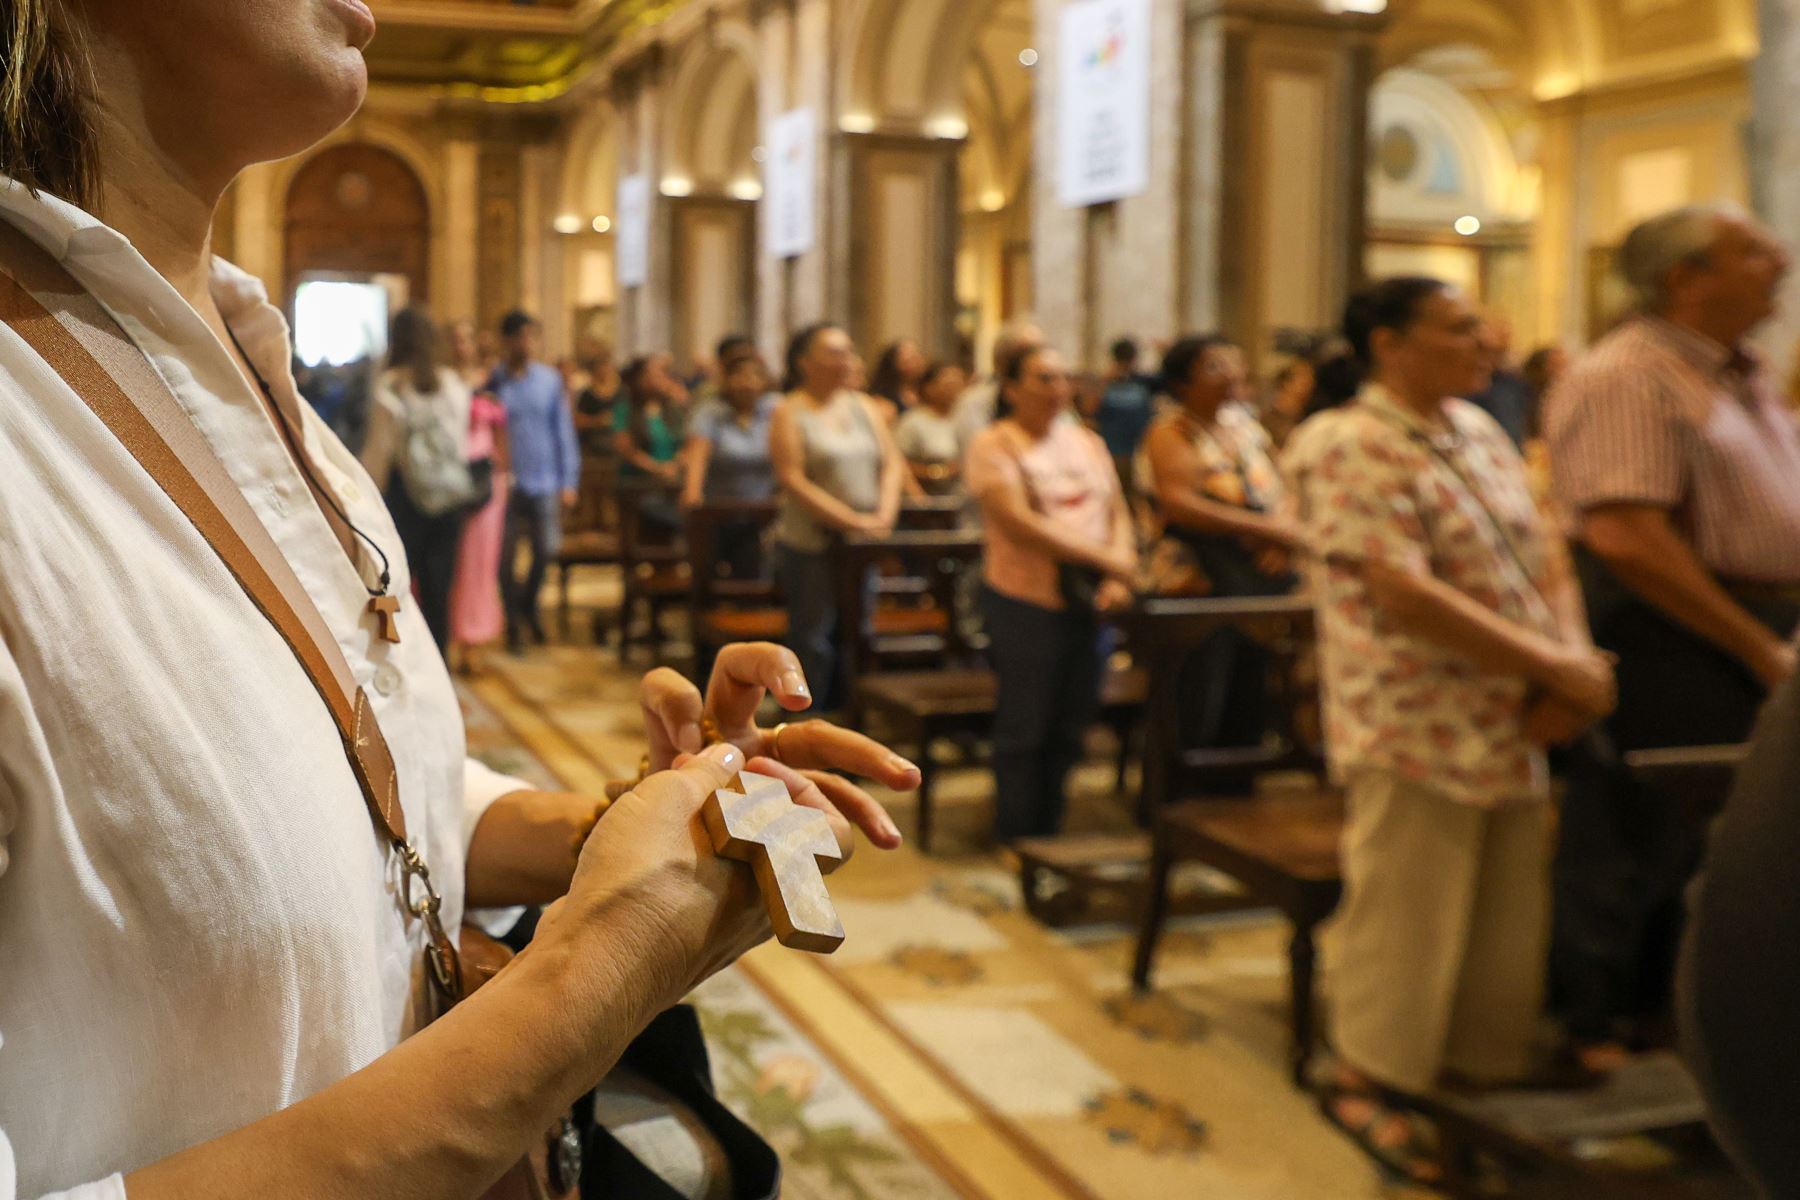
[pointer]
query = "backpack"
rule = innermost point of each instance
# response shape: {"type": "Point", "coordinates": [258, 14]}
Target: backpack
{"type": "Point", "coordinates": [432, 467]}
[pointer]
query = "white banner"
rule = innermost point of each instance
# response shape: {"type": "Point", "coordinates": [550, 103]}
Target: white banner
{"type": "Point", "coordinates": [789, 183]}
{"type": "Point", "coordinates": [633, 231]}
{"type": "Point", "coordinates": [1103, 102]}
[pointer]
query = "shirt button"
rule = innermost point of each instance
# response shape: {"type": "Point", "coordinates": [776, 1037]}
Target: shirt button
{"type": "Point", "coordinates": [387, 680]}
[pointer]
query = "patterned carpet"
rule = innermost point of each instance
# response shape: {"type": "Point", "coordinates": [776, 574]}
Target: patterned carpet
{"type": "Point", "coordinates": [953, 1046]}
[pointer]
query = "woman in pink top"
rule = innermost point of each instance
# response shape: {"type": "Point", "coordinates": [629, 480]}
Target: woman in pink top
{"type": "Point", "coordinates": [1060, 552]}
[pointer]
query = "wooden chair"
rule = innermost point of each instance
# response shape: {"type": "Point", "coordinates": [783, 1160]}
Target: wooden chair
{"type": "Point", "coordinates": [654, 569]}
{"type": "Point", "coordinates": [728, 609]}
{"type": "Point", "coordinates": [1282, 848]}
{"type": "Point", "coordinates": [590, 531]}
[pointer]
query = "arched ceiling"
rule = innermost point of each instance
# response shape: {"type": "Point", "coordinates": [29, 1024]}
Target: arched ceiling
{"type": "Point", "coordinates": [1559, 47]}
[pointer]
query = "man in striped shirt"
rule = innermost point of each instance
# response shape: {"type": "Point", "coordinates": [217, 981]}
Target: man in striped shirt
{"type": "Point", "coordinates": [1679, 469]}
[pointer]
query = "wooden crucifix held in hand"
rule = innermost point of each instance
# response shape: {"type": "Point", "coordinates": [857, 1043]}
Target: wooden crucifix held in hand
{"type": "Point", "coordinates": [753, 820]}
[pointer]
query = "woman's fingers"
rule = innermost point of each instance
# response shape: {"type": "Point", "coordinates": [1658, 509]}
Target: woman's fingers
{"type": "Point", "coordinates": [672, 711]}
{"type": "Point", "coordinates": [743, 673]}
{"type": "Point", "coordinates": [805, 792]}
{"type": "Point", "coordinates": [863, 810]}
{"type": "Point", "coordinates": [693, 777]}
{"type": "Point", "coordinates": [822, 746]}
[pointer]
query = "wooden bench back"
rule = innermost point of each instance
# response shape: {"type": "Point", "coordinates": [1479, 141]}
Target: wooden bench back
{"type": "Point", "coordinates": [596, 505]}
{"type": "Point", "coordinates": [935, 561]}
{"type": "Point", "coordinates": [1165, 634]}
{"type": "Point", "coordinates": [635, 545]}
{"type": "Point", "coordinates": [705, 525]}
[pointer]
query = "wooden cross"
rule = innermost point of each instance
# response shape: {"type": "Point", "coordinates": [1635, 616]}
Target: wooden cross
{"type": "Point", "coordinates": [754, 821]}
{"type": "Point", "coordinates": [387, 616]}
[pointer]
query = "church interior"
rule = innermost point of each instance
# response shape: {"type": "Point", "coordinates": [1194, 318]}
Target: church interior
{"type": "Point", "coordinates": [1123, 1008]}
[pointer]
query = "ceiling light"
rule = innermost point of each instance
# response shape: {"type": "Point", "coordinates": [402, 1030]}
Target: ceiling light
{"type": "Point", "coordinates": [857, 123]}
{"type": "Point", "coordinates": [675, 185]}
{"type": "Point", "coordinates": [949, 128]}
{"type": "Point", "coordinates": [1468, 226]}
{"type": "Point", "coordinates": [567, 223]}
{"type": "Point", "coordinates": [746, 189]}
{"type": "Point", "coordinates": [602, 224]}
{"type": "Point", "coordinates": [1028, 57]}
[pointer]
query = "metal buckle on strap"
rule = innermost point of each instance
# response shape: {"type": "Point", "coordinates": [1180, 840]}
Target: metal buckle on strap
{"type": "Point", "coordinates": [440, 952]}
{"type": "Point", "coordinates": [413, 868]}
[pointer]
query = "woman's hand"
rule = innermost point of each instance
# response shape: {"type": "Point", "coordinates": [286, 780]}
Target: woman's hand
{"type": "Point", "coordinates": [742, 676]}
{"type": "Point", "coordinates": [1553, 721]}
{"type": "Point", "coordinates": [1113, 596]}
{"type": "Point", "coordinates": [651, 862]}
{"type": "Point", "coordinates": [1582, 678]}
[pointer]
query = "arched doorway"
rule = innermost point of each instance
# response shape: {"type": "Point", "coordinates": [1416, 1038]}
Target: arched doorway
{"type": "Point", "coordinates": [357, 210]}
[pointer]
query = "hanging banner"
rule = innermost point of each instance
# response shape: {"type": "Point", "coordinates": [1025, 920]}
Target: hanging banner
{"type": "Point", "coordinates": [1103, 102]}
{"type": "Point", "coordinates": [633, 231]}
{"type": "Point", "coordinates": [789, 185]}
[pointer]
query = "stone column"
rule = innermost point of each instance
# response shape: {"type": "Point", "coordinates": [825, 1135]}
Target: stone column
{"type": "Point", "coordinates": [454, 260]}
{"type": "Point", "coordinates": [1277, 116]}
{"type": "Point", "coordinates": [774, 24]}
{"type": "Point", "coordinates": [899, 257]}
{"type": "Point", "coordinates": [1775, 157]}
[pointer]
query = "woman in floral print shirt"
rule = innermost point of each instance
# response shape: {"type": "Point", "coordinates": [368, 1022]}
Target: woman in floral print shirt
{"type": "Point", "coordinates": [1451, 656]}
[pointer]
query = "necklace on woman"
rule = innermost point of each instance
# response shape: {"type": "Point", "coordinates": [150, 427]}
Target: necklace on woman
{"type": "Point", "coordinates": [384, 606]}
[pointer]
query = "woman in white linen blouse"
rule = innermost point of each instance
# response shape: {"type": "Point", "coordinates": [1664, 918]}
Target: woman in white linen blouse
{"type": "Point", "coordinates": [207, 987]}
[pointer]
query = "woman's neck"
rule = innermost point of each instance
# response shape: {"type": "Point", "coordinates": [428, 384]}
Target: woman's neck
{"type": "Point", "coordinates": [818, 395]}
{"type": "Point", "coordinates": [163, 205]}
{"type": "Point", "coordinates": [1036, 426]}
{"type": "Point", "coordinates": [1204, 415]}
{"type": "Point", "coordinates": [1427, 405]}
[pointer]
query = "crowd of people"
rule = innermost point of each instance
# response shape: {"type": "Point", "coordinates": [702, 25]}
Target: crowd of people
{"type": "Point", "coordinates": [1518, 570]}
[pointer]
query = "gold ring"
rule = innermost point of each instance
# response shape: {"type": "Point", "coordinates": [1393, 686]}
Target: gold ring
{"type": "Point", "coordinates": [773, 749]}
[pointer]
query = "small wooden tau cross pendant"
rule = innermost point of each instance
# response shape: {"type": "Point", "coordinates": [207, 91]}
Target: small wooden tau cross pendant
{"type": "Point", "coordinates": [753, 820]}
{"type": "Point", "coordinates": [387, 617]}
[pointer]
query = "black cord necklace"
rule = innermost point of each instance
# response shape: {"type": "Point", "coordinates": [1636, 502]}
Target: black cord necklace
{"type": "Point", "coordinates": [294, 441]}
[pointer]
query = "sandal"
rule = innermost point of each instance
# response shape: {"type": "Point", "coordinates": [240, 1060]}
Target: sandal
{"type": "Point", "coordinates": [1413, 1160]}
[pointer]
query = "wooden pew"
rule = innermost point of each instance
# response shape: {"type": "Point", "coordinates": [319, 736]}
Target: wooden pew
{"type": "Point", "coordinates": [1281, 847]}
{"type": "Point", "coordinates": [924, 707]}
{"type": "Point", "coordinates": [654, 569]}
{"type": "Point", "coordinates": [590, 531]}
{"type": "Point", "coordinates": [728, 609]}
{"type": "Point", "coordinates": [909, 623]}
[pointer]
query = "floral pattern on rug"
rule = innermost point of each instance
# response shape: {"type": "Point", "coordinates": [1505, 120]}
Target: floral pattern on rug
{"type": "Point", "coordinates": [937, 966]}
{"type": "Point", "coordinates": [1156, 1126]}
{"type": "Point", "coordinates": [832, 1143]}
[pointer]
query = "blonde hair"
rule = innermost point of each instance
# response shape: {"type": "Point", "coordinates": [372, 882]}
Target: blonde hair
{"type": "Point", "coordinates": [46, 134]}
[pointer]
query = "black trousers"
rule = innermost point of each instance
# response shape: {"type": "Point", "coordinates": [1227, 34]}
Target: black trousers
{"type": "Point", "coordinates": [1049, 665]}
{"type": "Point", "coordinates": [1627, 849]}
{"type": "Point", "coordinates": [431, 544]}
{"type": "Point", "coordinates": [536, 521]}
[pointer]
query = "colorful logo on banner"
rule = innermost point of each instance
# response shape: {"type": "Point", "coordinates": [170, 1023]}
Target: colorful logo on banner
{"type": "Point", "coordinates": [1109, 53]}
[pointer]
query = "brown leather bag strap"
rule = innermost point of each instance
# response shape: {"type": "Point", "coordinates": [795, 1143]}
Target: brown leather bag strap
{"type": "Point", "coordinates": [70, 330]}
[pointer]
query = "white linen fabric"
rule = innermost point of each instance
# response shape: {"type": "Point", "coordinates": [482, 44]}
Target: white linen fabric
{"type": "Point", "coordinates": [197, 925]}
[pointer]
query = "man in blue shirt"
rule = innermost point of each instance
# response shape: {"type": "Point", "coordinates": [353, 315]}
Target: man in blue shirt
{"type": "Point", "coordinates": [546, 468]}
{"type": "Point", "coordinates": [1125, 410]}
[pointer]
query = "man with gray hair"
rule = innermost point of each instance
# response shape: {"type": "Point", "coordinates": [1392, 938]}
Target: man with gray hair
{"type": "Point", "coordinates": [1679, 470]}
{"type": "Point", "coordinates": [975, 407]}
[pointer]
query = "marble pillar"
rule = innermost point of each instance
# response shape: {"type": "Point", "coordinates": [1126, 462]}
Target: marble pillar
{"type": "Point", "coordinates": [1276, 129]}
{"type": "Point", "coordinates": [1775, 158]}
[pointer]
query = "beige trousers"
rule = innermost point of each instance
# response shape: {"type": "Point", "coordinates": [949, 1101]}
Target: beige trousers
{"type": "Point", "coordinates": [1436, 960]}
